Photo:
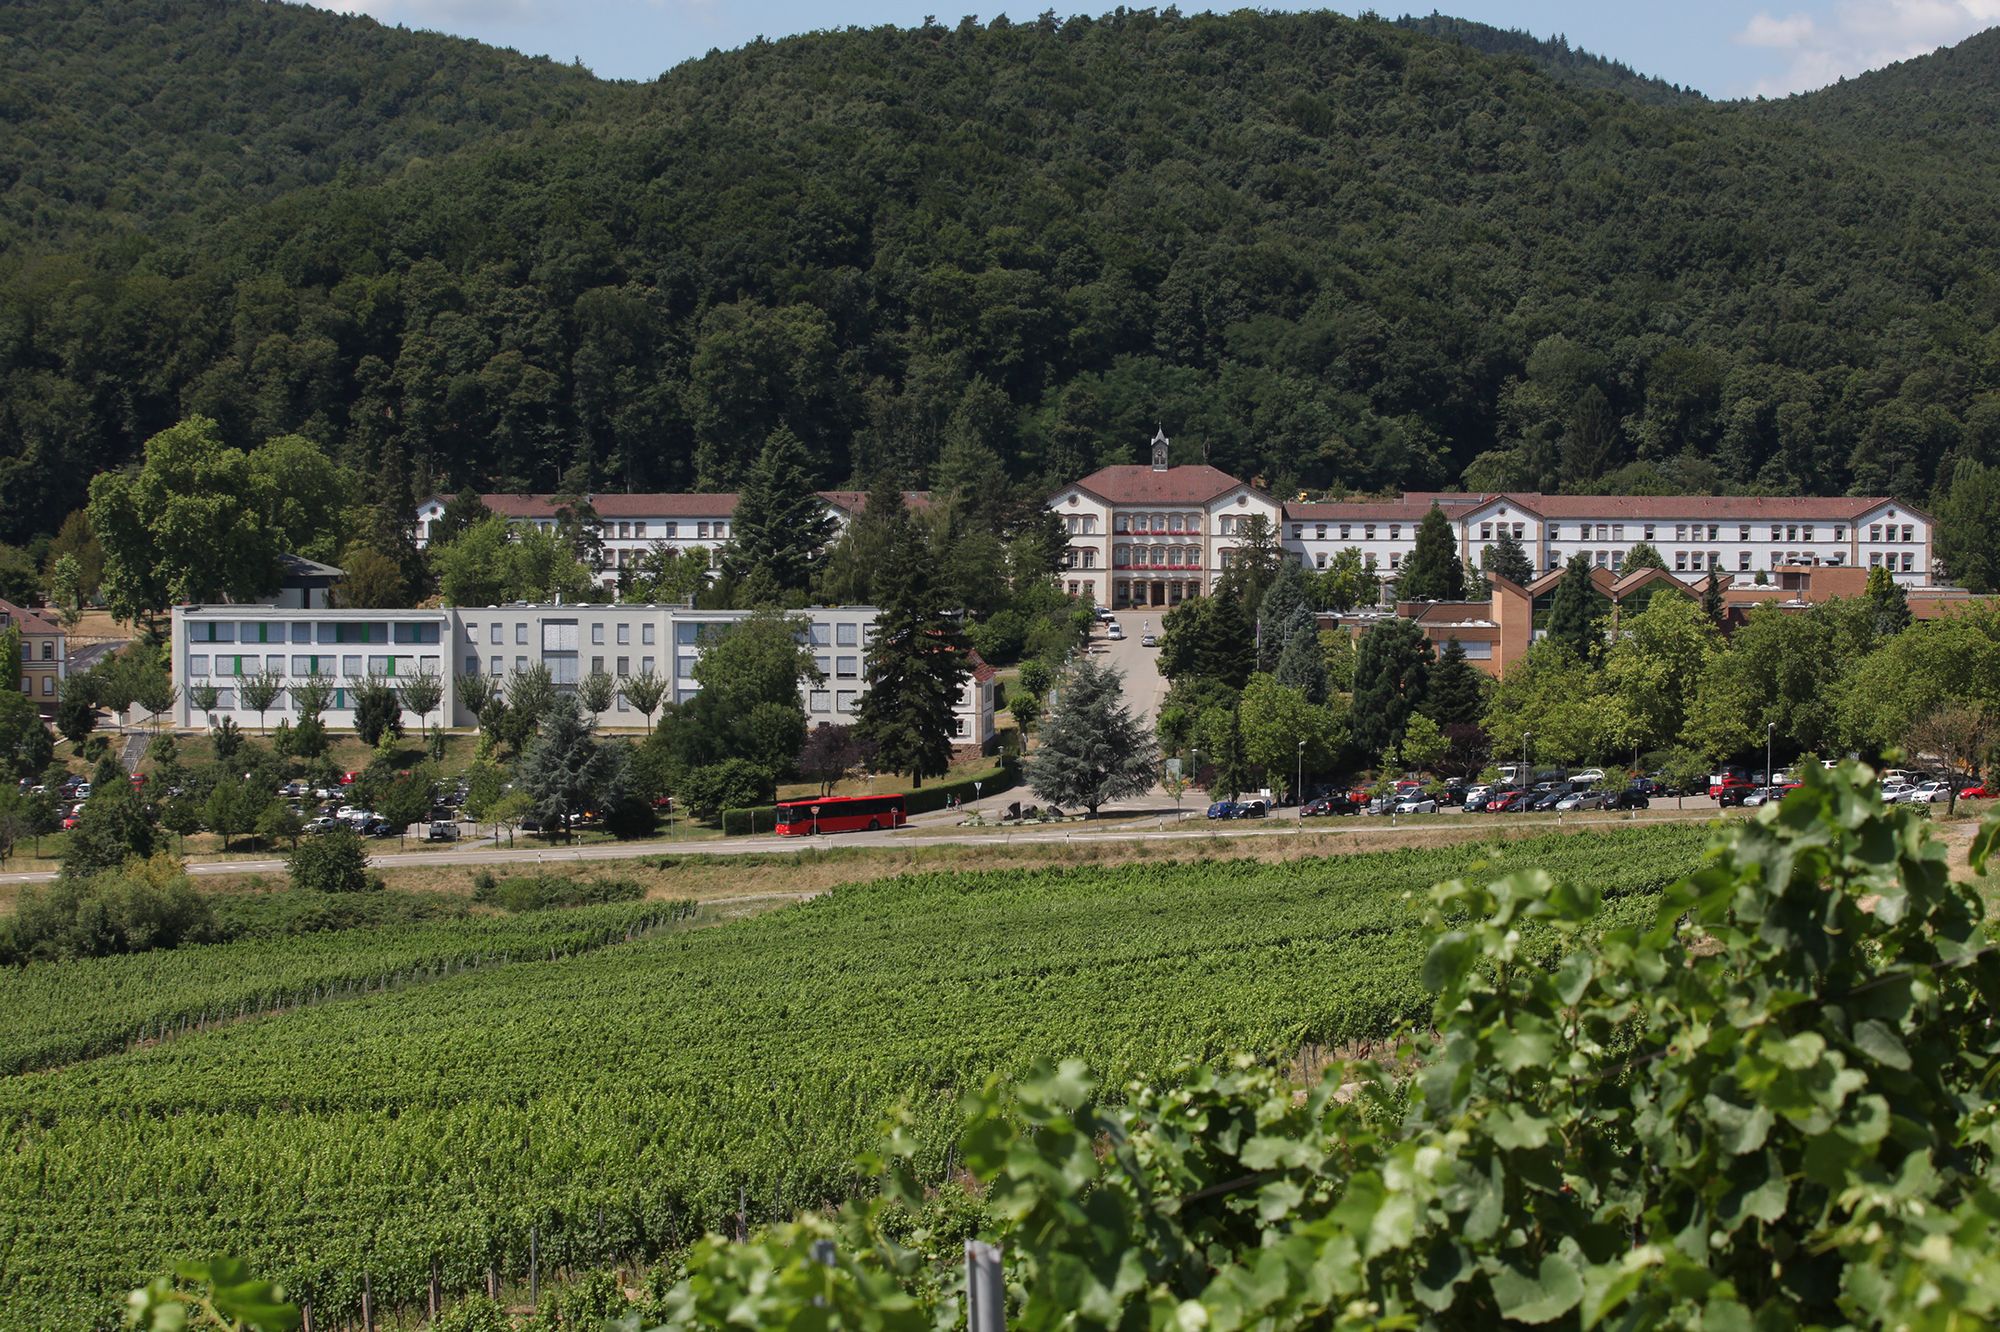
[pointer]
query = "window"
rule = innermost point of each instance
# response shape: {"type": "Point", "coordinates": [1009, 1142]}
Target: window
{"type": "Point", "coordinates": [1680, 532]}
{"type": "Point", "coordinates": [1806, 533]}
{"type": "Point", "coordinates": [1907, 557]}
{"type": "Point", "coordinates": [1874, 559]}
{"type": "Point", "coordinates": [302, 632]}
{"type": "Point", "coordinates": [471, 633]}
{"type": "Point", "coordinates": [1617, 531]}
{"type": "Point", "coordinates": [1298, 532]}
{"type": "Point", "coordinates": [645, 633]}
{"type": "Point", "coordinates": [701, 529]}
{"type": "Point", "coordinates": [1839, 532]}
{"type": "Point", "coordinates": [1395, 559]}
{"type": "Point", "coordinates": [670, 529]}
{"type": "Point", "coordinates": [1320, 560]}
{"type": "Point", "coordinates": [822, 700]}
{"type": "Point", "coordinates": [1791, 532]}
{"type": "Point", "coordinates": [1368, 531]}
{"type": "Point", "coordinates": [498, 667]}
{"type": "Point", "coordinates": [1909, 534]}
{"type": "Point", "coordinates": [1743, 560]}
{"type": "Point", "coordinates": [1715, 559]}
{"type": "Point", "coordinates": [1345, 528]}
{"type": "Point", "coordinates": [48, 684]}
{"type": "Point", "coordinates": [1617, 559]}
{"type": "Point", "coordinates": [1486, 531]}
{"type": "Point", "coordinates": [1175, 523]}
{"type": "Point", "coordinates": [624, 704]}
{"type": "Point", "coordinates": [825, 663]}
{"type": "Point", "coordinates": [687, 635]}
{"type": "Point", "coordinates": [1603, 558]}
{"type": "Point", "coordinates": [275, 663]}
{"type": "Point", "coordinates": [472, 664]}
{"type": "Point", "coordinates": [1121, 523]}
{"type": "Point", "coordinates": [493, 635]}
{"type": "Point", "coordinates": [638, 530]}
{"type": "Point", "coordinates": [843, 700]}
{"type": "Point", "coordinates": [849, 668]}
{"type": "Point", "coordinates": [597, 634]}
{"type": "Point", "coordinates": [624, 668]}
{"type": "Point", "coordinates": [198, 665]}
{"type": "Point", "coordinates": [645, 665]}
{"type": "Point", "coordinates": [597, 665]}
{"type": "Point", "coordinates": [1680, 561]}
{"type": "Point", "coordinates": [624, 634]}
{"type": "Point", "coordinates": [1477, 649]}
{"type": "Point", "coordinates": [520, 664]}
{"type": "Point", "coordinates": [521, 634]}
{"type": "Point", "coordinates": [381, 665]}
{"type": "Point", "coordinates": [1395, 531]}
{"type": "Point", "coordinates": [1518, 530]}
{"type": "Point", "coordinates": [1555, 530]}
{"type": "Point", "coordinates": [1319, 531]}
{"type": "Point", "coordinates": [1777, 532]}
{"type": "Point", "coordinates": [350, 666]}
{"type": "Point", "coordinates": [1714, 529]}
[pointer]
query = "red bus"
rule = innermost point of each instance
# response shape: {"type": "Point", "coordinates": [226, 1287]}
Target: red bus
{"type": "Point", "coordinates": [840, 814]}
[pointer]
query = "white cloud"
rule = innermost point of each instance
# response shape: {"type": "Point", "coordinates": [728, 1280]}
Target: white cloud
{"type": "Point", "coordinates": [1859, 35]}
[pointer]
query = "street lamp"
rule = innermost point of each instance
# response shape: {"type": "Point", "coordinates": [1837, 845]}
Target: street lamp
{"type": "Point", "coordinates": [1299, 786]}
{"type": "Point", "coordinates": [1525, 773]}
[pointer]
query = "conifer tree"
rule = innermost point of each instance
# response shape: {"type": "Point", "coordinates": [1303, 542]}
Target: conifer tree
{"type": "Point", "coordinates": [1575, 618]}
{"type": "Point", "coordinates": [1890, 603]}
{"type": "Point", "coordinates": [782, 526]}
{"type": "Point", "coordinates": [1711, 598]}
{"type": "Point", "coordinates": [1433, 571]}
{"type": "Point", "coordinates": [1092, 749]}
{"type": "Point", "coordinates": [1392, 669]}
{"type": "Point", "coordinates": [862, 554]}
{"type": "Point", "coordinates": [565, 771]}
{"type": "Point", "coordinates": [1507, 558]}
{"type": "Point", "coordinates": [1456, 695]}
{"type": "Point", "coordinates": [1289, 591]}
{"type": "Point", "coordinates": [916, 666]}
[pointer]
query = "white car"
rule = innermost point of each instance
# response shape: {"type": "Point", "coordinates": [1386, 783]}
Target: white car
{"type": "Point", "coordinates": [1930, 793]}
{"type": "Point", "coordinates": [1111, 629]}
{"type": "Point", "coordinates": [1896, 793]}
{"type": "Point", "coordinates": [1417, 804]}
{"type": "Point", "coordinates": [1589, 776]}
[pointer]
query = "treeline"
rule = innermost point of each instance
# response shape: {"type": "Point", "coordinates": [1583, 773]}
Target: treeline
{"type": "Point", "coordinates": [1324, 252]}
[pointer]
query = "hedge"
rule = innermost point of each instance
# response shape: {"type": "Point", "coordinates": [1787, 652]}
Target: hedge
{"type": "Point", "coordinates": [763, 818]}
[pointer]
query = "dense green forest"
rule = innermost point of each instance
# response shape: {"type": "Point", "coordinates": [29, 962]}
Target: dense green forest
{"type": "Point", "coordinates": [1330, 253]}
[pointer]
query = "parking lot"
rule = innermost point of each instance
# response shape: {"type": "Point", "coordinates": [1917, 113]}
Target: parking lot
{"type": "Point", "coordinates": [1137, 664]}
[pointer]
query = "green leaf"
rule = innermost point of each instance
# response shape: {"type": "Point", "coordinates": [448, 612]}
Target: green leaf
{"type": "Point", "coordinates": [1984, 843]}
{"type": "Point", "coordinates": [1445, 1266]}
{"type": "Point", "coordinates": [1446, 964]}
{"type": "Point", "coordinates": [1739, 1129]}
{"type": "Point", "coordinates": [1543, 1297]}
{"type": "Point", "coordinates": [1516, 1129]}
{"type": "Point", "coordinates": [1529, 1043]}
{"type": "Point", "coordinates": [1875, 1040]}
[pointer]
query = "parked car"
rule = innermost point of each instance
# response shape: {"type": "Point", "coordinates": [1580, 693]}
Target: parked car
{"type": "Point", "coordinates": [1251, 809]}
{"type": "Point", "coordinates": [1111, 630]}
{"type": "Point", "coordinates": [1477, 796]}
{"type": "Point", "coordinates": [1763, 795]}
{"type": "Point", "coordinates": [1632, 797]}
{"type": "Point", "coordinates": [1148, 640]}
{"type": "Point", "coordinates": [1730, 780]}
{"type": "Point", "coordinates": [1983, 791]}
{"type": "Point", "coordinates": [1896, 792]}
{"type": "Point", "coordinates": [1417, 803]}
{"type": "Point", "coordinates": [1547, 800]}
{"type": "Point", "coordinates": [1730, 796]}
{"type": "Point", "coordinates": [1498, 798]}
{"type": "Point", "coordinates": [1520, 803]}
{"type": "Point", "coordinates": [1589, 799]}
{"type": "Point", "coordinates": [323, 824]}
{"type": "Point", "coordinates": [1589, 776]}
{"type": "Point", "coordinates": [441, 830]}
{"type": "Point", "coordinates": [1931, 793]}
{"type": "Point", "coordinates": [1222, 809]}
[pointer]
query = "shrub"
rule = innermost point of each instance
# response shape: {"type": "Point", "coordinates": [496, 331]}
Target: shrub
{"type": "Point", "coordinates": [539, 892]}
{"type": "Point", "coordinates": [730, 784]}
{"type": "Point", "coordinates": [331, 862]}
{"type": "Point", "coordinates": [148, 904]}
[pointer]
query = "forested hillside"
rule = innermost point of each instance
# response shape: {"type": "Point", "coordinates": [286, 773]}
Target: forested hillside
{"type": "Point", "coordinates": [1321, 251]}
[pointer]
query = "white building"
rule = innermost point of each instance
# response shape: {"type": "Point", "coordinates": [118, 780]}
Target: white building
{"type": "Point", "coordinates": [220, 645]}
{"type": "Point", "coordinates": [629, 526]}
{"type": "Point", "coordinates": [1154, 535]}
{"type": "Point", "coordinates": [1743, 535]}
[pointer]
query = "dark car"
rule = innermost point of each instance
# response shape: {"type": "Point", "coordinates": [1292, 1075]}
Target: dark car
{"type": "Point", "coordinates": [1520, 802]}
{"type": "Point", "coordinates": [1730, 796]}
{"type": "Point", "coordinates": [1222, 809]}
{"type": "Point", "coordinates": [1632, 797]}
{"type": "Point", "coordinates": [1251, 809]}
{"type": "Point", "coordinates": [1548, 799]}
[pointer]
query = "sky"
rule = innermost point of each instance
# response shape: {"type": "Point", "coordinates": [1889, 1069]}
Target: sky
{"type": "Point", "coordinates": [1722, 48]}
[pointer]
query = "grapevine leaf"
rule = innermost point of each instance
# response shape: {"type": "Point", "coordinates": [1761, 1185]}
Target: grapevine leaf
{"type": "Point", "coordinates": [1875, 1040]}
{"type": "Point", "coordinates": [1540, 1297]}
{"type": "Point", "coordinates": [1985, 843]}
{"type": "Point", "coordinates": [1739, 1129]}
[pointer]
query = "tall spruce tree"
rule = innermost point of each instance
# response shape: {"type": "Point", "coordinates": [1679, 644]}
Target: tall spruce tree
{"type": "Point", "coordinates": [1093, 750]}
{"type": "Point", "coordinates": [782, 526]}
{"type": "Point", "coordinates": [1290, 590]}
{"type": "Point", "coordinates": [1508, 558]}
{"type": "Point", "coordinates": [565, 771]}
{"type": "Point", "coordinates": [1433, 572]}
{"type": "Point", "coordinates": [1889, 602]}
{"type": "Point", "coordinates": [862, 554]}
{"type": "Point", "coordinates": [1711, 598]}
{"type": "Point", "coordinates": [1456, 695]}
{"type": "Point", "coordinates": [916, 666]}
{"type": "Point", "coordinates": [1392, 670]}
{"type": "Point", "coordinates": [1302, 664]}
{"type": "Point", "coordinates": [1576, 618]}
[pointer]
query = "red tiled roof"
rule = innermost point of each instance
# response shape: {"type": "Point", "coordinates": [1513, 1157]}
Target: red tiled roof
{"type": "Point", "coordinates": [1346, 511]}
{"type": "Point", "coordinates": [980, 670]}
{"type": "Point", "coordinates": [1721, 508]}
{"type": "Point", "coordinates": [1139, 484]}
{"type": "Point", "coordinates": [27, 621]}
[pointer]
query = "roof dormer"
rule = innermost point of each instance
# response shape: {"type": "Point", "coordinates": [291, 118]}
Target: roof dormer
{"type": "Point", "coordinates": [1159, 450]}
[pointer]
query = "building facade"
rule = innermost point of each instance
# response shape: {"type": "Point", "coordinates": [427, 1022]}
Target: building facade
{"type": "Point", "coordinates": [1155, 535]}
{"type": "Point", "coordinates": [221, 645]}
{"type": "Point", "coordinates": [44, 653]}
{"type": "Point", "coordinates": [630, 526]}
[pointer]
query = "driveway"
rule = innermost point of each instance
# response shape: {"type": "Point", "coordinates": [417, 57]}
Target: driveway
{"type": "Point", "coordinates": [1139, 666]}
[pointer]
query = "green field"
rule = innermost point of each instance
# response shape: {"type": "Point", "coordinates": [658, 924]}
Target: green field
{"type": "Point", "coordinates": [622, 1099]}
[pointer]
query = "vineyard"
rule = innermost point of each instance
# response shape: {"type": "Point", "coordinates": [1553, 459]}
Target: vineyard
{"type": "Point", "coordinates": [617, 1102]}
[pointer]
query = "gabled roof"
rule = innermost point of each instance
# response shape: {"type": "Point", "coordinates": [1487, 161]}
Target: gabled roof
{"type": "Point", "coordinates": [27, 621]}
{"type": "Point", "coordinates": [1137, 483]}
{"type": "Point", "coordinates": [1719, 508]}
{"type": "Point", "coordinates": [298, 566]}
{"type": "Point", "coordinates": [1634, 579]}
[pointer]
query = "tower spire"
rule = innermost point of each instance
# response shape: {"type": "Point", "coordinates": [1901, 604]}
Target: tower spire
{"type": "Point", "coordinates": [1159, 449]}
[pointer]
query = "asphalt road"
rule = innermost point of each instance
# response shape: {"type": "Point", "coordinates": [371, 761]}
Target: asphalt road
{"type": "Point", "coordinates": [1140, 666]}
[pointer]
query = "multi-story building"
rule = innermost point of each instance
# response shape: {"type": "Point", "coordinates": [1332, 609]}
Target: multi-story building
{"type": "Point", "coordinates": [221, 645]}
{"type": "Point", "coordinates": [44, 652]}
{"type": "Point", "coordinates": [1155, 535]}
{"type": "Point", "coordinates": [630, 526]}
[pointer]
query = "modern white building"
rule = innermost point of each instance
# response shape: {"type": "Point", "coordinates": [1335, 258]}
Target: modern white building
{"type": "Point", "coordinates": [220, 645]}
{"type": "Point", "coordinates": [1155, 535]}
{"type": "Point", "coordinates": [631, 525]}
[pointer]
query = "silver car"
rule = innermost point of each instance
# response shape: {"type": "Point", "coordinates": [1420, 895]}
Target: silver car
{"type": "Point", "coordinates": [1417, 804]}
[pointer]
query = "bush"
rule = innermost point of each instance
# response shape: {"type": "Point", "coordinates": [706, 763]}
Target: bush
{"type": "Point", "coordinates": [330, 862]}
{"type": "Point", "coordinates": [148, 904]}
{"type": "Point", "coordinates": [730, 784]}
{"type": "Point", "coordinates": [540, 892]}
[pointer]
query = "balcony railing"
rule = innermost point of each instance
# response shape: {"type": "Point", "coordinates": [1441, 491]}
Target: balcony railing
{"type": "Point", "coordinates": [1159, 568]}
